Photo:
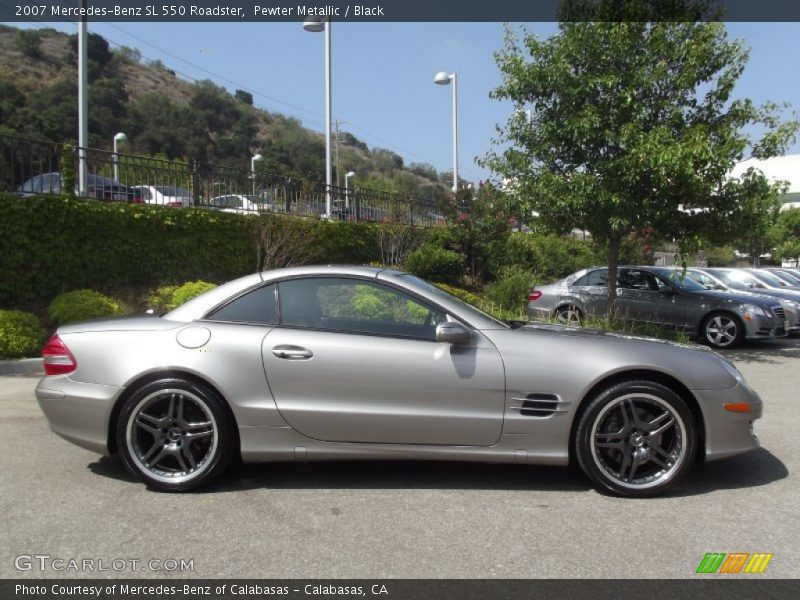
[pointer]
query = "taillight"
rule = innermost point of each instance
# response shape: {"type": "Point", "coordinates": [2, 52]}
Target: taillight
{"type": "Point", "coordinates": [58, 360]}
{"type": "Point", "coordinates": [534, 295]}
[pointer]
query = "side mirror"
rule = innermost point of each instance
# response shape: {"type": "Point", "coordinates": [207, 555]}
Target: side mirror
{"type": "Point", "coordinates": [452, 332]}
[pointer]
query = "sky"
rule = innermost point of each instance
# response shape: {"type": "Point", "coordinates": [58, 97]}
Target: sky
{"type": "Point", "coordinates": [382, 75]}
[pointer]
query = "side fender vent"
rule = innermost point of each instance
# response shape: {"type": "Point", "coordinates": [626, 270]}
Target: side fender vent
{"type": "Point", "coordinates": [540, 405]}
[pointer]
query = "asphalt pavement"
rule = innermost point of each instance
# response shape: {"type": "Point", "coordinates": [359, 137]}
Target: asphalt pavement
{"type": "Point", "coordinates": [397, 519]}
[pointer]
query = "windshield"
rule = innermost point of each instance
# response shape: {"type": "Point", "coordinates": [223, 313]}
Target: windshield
{"type": "Point", "coordinates": [736, 279]}
{"type": "Point", "coordinates": [769, 279]}
{"type": "Point", "coordinates": [437, 292]}
{"type": "Point", "coordinates": [171, 190]}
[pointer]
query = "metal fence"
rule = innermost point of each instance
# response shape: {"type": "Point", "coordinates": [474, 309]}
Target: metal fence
{"type": "Point", "coordinates": [29, 167]}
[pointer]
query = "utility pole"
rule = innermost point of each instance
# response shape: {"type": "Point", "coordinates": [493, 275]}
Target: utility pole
{"type": "Point", "coordinates": [338, 166]}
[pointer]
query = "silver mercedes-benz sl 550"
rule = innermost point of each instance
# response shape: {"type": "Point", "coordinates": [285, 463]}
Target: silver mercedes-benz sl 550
{"type": "Point", "coordinates": [340, 363]}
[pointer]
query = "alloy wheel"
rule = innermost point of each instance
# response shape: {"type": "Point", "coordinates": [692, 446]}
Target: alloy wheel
{"type": "Point", "coordinates": [172, 435]}
{"type": "Point", "coordinates": [638, 441]}
{"type": "Point", "coordinates": [722, 331]}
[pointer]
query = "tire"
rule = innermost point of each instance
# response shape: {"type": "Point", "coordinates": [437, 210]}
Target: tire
{"type": "Point", "coordinates": [722, 330]}
{"type": "Point", "coordinates": [568, 315]}
{"type": "Point", "coordinates": [175, 435]}
{"type": "Point", "coordinates": [636, 439]}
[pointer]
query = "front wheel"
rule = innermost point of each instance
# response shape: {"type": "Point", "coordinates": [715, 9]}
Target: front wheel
{"type": "Point", "coordinates": [175, 435]}
{"type": "Point", "coordinates": [637, 438]}
{"type": "Point", "coordinates": [722, 330]}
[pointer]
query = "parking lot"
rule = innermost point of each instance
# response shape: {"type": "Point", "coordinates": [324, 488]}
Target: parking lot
{"type": "Point", "coordinates": [382, 520]}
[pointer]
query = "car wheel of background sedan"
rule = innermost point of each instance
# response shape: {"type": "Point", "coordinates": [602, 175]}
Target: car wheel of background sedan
{"type": "Point", "coordinates": [175, 435]}
{"type": "Point", "coordinates": [568, 315]}
{"type": "Point", "coordinates": [722, 330]}
{"type": "Point", "coordinates": [637, 438]}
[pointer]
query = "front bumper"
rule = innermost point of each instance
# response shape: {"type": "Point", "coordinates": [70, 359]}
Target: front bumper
{"type": "Point", "coordinates": [764, 328]}
{"type": "Point", "coordinates": [729, 433]}
{"type": "Point", "coordinates": [78, 412]}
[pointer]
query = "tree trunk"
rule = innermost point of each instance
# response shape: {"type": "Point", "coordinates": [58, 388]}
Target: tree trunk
{"type": "Point", "coordinates": [613, 251]}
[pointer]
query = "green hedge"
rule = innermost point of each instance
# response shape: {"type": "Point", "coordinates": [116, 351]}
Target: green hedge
{"type": "Point", "coordinates": [21, 334]}
{"type": "Point", "coordinates": [53, 244]}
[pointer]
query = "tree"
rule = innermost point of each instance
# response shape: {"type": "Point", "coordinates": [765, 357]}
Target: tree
{"type": "Point", "coordinates": [632, 125]}
{"type": "Point", "coordinates": [29, 42]}
{"type": "Point", "coordinates": [787, 235]}
{"type": "Point", "coordinates": [244, 96]}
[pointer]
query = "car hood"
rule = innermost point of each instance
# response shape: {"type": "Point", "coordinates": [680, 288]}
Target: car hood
{"type": "Point", "coordinates": [593, 354]}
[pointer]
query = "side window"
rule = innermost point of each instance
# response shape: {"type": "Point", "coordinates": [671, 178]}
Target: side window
{"type": "Point", "coordinates": [257, 306]}
{"type": "Point", "coordinates": [597, 278]}
{"type": "Point", "coordinates": [355, 306]}
{"type": "Point", "coordinates": [634, 279]}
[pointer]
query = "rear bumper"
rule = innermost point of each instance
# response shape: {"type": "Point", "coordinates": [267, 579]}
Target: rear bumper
{"type": "Point", "coordinates": [729, 433]}
{"type": "Point", "coordinates": [78, 412]}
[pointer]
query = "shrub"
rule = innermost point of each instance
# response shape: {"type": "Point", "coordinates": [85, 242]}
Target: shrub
{"type": "Point", "coordinates": [21, 334]}
{"type": "Point", "coordinates": [510, 290]}
{"type": "Point", "coordinates": [461, 294]}
{"type": "Point", "coordinates": [29, 42]}
{"type": "Point", "coordinates": [436, 264]}
{"type": "Point", "coordinates": [160, 300]}
{"type": "Point", "coordinates": [549, 257]}
{"type": "Point", "coordinates": [190, 290]}
{"type": "Point", "coordinates": [82, 305]}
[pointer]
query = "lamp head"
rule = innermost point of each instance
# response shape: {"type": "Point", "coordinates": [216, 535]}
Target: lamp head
{"type": "Point", "coordinates": [442, 78]}
{"type": "Point", "coordinates": [120, 137]}
{"type": "Point", "coordinates": [314, 25]}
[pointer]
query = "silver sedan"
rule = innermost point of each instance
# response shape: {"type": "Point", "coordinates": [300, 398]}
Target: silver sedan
{"type": "Point", "coordinates": [662, 296]}
{"type": "Point", "coordinates": [331, 363]}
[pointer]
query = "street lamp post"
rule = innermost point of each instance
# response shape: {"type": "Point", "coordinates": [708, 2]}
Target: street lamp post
{"type": "Point", "coordinates": [444, 78]}
{"type": "Point", "coordinates": [347, 177]}
{"type": "Point", "coordinates": [253, 162]}
{"type": "Point", "coordinates": [316, 26]}
{"type": "Point", "coordinates": [120, 137]}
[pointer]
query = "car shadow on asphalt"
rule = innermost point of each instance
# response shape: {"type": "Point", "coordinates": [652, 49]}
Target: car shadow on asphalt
{"type": "Point", "coordinates": [765, 352]}
{"type": "Point", "coordinates": [757, 468]}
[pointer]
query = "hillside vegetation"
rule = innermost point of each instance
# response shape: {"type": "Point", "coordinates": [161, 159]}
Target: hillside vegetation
{"type": "Point", "coordinates": [166, 116]}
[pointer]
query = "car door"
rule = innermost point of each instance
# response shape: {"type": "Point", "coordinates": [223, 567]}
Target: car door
{"type": "Point", "coordinates": [644, 297]}
{"type": "Point", "coordinates": [354, 360]}
{"type": "Point", "coordinates": [592, 292]}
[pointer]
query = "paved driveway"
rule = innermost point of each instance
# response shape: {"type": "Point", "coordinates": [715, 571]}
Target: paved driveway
{"type": "Point", "coordinates": [378, 520]}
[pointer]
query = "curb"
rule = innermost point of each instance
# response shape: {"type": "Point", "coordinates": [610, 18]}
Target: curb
{"type": "Point", "coordinates": [23, 366]}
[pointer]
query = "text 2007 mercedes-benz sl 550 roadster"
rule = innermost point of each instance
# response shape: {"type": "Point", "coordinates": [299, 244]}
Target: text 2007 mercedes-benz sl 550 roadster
{"type": "Point", "coordinates": [340, 363]}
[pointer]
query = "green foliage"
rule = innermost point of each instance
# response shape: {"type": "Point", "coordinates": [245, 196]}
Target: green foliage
{"type": "Point", "coordinates": [549, 257]}
{"type": "Point", "coordinates": [786, 235]}
{"type": "Point", "coordinates": [52, 244]}
{"type": "Point", "coordinates": [633, 122]}
{"type": "Point", "coordinates": [21, 334]}
{"type": "Point", "coordinates": [161, 300]}
{"type": "Point", "coordinates": [461, 294]}
{"type": "Point", "coordinates": [82, 305]}
{"type": "Point", "coordinates": [67, 168]}
{"type": "Point", "coordinates": [510, 290]}
{"type": "Point", "coordinates": [720, 256]}
{"type": "Point", "coordinates": [28, 41]}
{"type": "Point", "coordinates": [190, 290]}
{"type": "Point", "coordinates": [480, 230]}
{"type": "Point", "coordinates": [436, 264]}
{"type": "Point", "coordinates": [244, 96]}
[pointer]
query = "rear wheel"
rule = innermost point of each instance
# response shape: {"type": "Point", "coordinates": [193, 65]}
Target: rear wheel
{"type": "Point", "coordinates": [637, 438]}
{"type": "Point", "coordinates": [175, 435]}
{"type": "Point", "coordinates": [568, 315]}
{"type": "Point", "coordinates": [722, 330]}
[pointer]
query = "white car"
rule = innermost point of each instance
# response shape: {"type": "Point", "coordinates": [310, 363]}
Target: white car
{"type": "Point", "coordinates": [165, 195]}
{"type": "Point", "coordinates": [240, 204]}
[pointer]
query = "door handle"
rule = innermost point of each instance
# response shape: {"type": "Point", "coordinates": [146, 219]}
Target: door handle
{"type": "Point", "coordinates": [292, 352]}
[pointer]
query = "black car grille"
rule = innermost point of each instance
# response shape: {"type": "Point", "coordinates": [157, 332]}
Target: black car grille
{"type": "Point", "coordinates": [779, 312]}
